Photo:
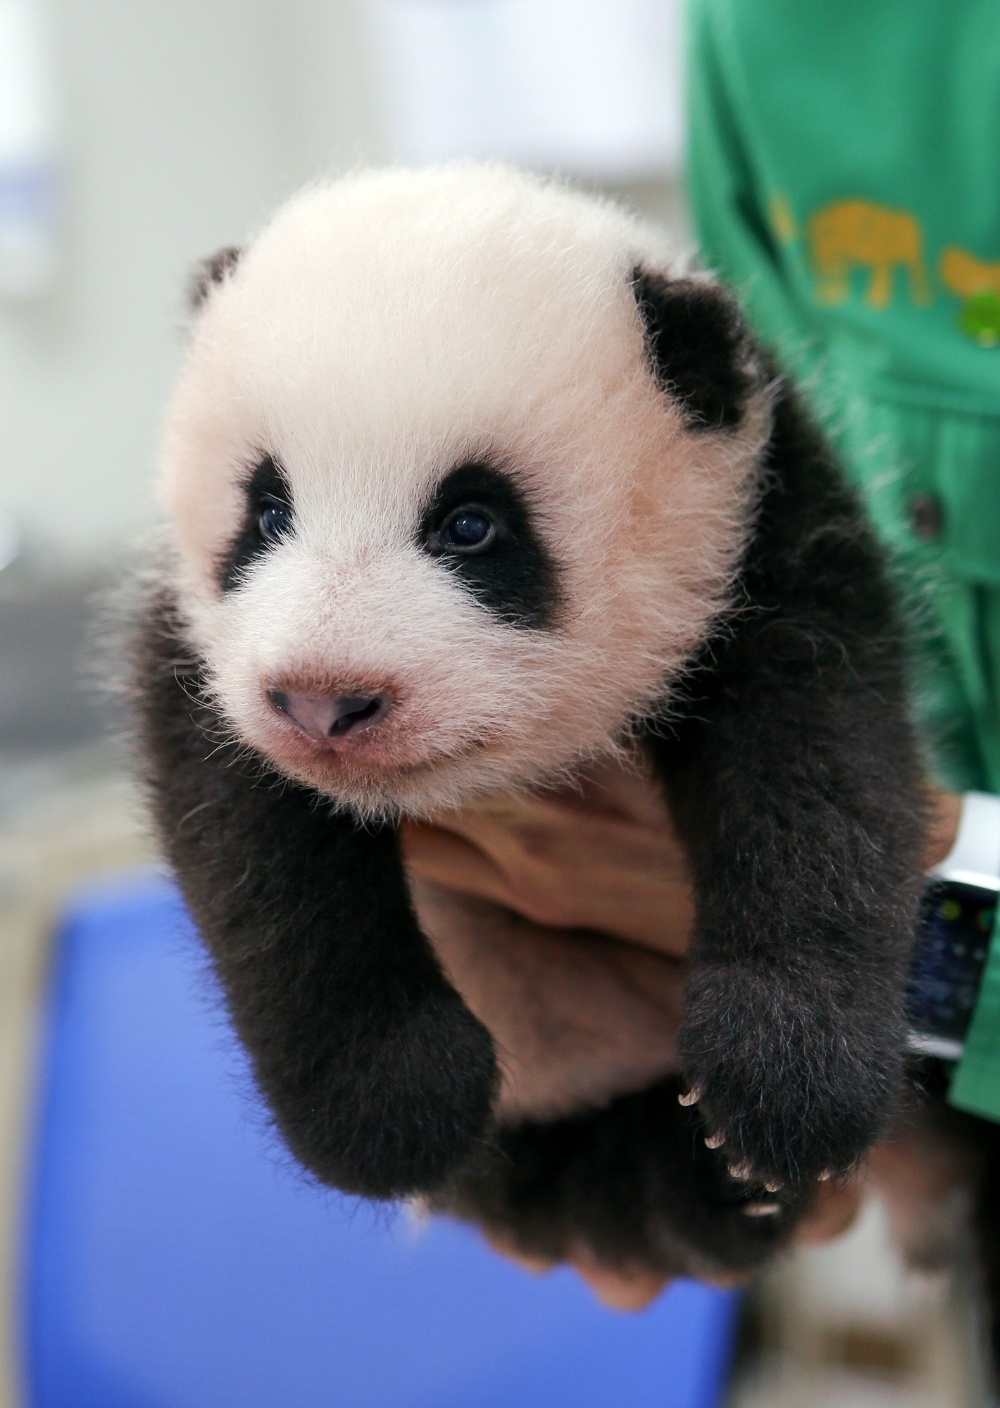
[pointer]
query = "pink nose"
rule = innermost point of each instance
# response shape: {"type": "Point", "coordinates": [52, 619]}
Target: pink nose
{"type": "Point", "coordinates": [329, 717]}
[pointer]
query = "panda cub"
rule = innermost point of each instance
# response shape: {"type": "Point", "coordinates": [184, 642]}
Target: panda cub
{"type": "Point", "coordinates": [470, 486]}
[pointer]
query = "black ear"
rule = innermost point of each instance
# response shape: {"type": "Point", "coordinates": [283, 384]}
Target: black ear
{"type": "Point", "coordinates": [699, 347]}
{"type": "Point", "coordinates": [213, 270]}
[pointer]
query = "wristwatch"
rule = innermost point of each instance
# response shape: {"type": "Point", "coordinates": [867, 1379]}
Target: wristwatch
{"type": "Point", "coordinates": [954, 928]}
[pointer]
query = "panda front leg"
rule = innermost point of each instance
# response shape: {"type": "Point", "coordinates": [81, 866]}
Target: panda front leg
{"type": "Point", "coordinates": [377, 1075]}
{"type": "Point", "coordinates": [795, 782]}
{"type": "Point", "coordinates": [792, 1042]}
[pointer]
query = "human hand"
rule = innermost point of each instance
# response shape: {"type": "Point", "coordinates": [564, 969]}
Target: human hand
{"type": "Point", "coordinates": [605, 859]}
{"type": "Point", "coordinates": [528, 902]}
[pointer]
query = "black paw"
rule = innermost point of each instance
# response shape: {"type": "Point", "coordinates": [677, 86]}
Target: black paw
{"type": "Point", "coordinates": [790, 1086]}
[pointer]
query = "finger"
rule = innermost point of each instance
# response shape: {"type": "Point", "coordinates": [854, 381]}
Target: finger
{"type": "Point", "coordinates": [944, 814]}
{"type": "Point", "coordinates": [581, 880]}
{"type": "Point", "coordinates": [537, 1265]}
{"type": "Point", "coordinates": [832, 1211]}
{"type": "Point", "coordinates": [601, 876]}
{"type": "Point", "coordinates": [446, 859]}
{"type": "Point", "coordinates": [633, 1289]}
{"type": "Point", "coordinates": [558, 835]}
{"type": "Point", "coordinates": [618, 1290]}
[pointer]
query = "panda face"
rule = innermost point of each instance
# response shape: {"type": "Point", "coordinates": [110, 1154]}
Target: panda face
{"type": "Point", "coordinates": [439, 528]}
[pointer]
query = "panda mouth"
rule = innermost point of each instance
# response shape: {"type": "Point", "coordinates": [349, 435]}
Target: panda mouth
{"type": "Point", "coordinates": [367, 760]}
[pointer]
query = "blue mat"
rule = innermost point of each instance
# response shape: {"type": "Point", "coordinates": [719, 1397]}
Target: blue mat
{"type": "Point", "coordinates": [174, 1259]}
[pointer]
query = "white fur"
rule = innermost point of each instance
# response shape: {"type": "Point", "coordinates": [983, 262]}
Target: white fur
{"type": "Point", "coordinates": [381, 329]}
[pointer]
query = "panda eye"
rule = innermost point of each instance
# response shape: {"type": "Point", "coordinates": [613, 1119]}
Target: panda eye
{"type": "Point", "coordinates": [468, 529]}
{"type": "Point", "coordinates": [274, 521]}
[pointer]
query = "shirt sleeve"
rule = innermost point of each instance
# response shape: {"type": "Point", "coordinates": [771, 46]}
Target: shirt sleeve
{"type": "Point", "coordinates": [975, 1086]}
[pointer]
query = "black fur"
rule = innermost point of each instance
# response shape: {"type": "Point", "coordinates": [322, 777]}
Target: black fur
{"type": "Point", "coordinates": [795, 783]}
{"type": "Point", "coordinates": [265, 484]}
{"type": "Point", "coordinates": [792, 772]}
{"type": "Point", "coordinates": [698, 347]}
{"type": "Point", "coordinates": [379, 1078]}
{"type": "Point", "coordinates": [633, 1184]}
{"type": "Point", "coordinates": [517, 579]}
{"type": "Point", "coordinates": [213, 270]}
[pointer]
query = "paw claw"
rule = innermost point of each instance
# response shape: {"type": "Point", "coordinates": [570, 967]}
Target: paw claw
{"type": "Point", "coordinates": [762, 1209]}
{"type": "Point", "coordinates": [689, 1097]}
{"type": "Point", "coordinates": [826, 1175]}
{"type": "Point", "coordinates": [773, 1187]}
{"type": "Point", "coordinates": [741, 1172]}
{"type": "Point", "coordinates": [715, 1141]}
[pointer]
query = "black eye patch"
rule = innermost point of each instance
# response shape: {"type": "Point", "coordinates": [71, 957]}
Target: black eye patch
{"type": "Point", "coordinates": [478, 525]}
{"type": "Point", "coordinates": [267, 517]}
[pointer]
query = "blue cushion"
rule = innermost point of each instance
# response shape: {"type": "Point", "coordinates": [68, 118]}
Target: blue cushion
{"type": "Point", "coordinates": [175, 1259]}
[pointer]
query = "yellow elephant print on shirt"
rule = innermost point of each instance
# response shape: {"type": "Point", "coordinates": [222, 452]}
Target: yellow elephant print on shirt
{"type": "Point", "coordinates": [964, 274]}
{"type": "Point", "coordinates": [861, 233]}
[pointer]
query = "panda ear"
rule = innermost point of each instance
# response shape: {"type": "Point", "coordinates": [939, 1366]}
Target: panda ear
{"type": "Point", "coordinates": [213, 270]}
{"type": "Point", "coordinates": [699, 347]}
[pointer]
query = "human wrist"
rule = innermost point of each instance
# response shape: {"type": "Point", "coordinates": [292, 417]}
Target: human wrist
{"type": "Point", "coordinates": [944, 815]}
{"type": "Point", "coordinates": [973, 854]}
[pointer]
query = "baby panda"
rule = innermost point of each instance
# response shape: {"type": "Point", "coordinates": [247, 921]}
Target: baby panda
{"type": "Point", "coordinates": [472, 486]}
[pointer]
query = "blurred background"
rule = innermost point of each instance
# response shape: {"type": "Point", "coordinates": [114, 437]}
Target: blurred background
{"type": "Point", "coordinates": [135, 138]}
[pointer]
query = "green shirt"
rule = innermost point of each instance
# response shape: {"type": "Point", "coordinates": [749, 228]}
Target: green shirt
{"type": "Point", "coordinates": [844, 170]}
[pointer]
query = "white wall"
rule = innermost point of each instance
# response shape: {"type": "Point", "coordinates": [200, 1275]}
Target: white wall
{"type": "Point", "coordinates": [183, 121]}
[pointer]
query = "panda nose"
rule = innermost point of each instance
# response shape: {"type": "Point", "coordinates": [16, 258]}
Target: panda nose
{"type": "Point", "coordinates": [328, 717]}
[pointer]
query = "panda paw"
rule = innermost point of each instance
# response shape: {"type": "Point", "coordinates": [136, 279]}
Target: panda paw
{"type": "Point", "coordinates": [741, 1169]}
{"type": "Point", "coordinates": [786, 1098]}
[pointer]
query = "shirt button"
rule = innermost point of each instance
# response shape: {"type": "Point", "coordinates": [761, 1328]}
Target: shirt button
{"type": "Point", "coordinates": [925, 515]}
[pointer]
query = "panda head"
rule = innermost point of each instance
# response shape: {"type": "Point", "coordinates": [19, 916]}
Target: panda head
{"type": "Point", "coordinates": [458, 476]}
